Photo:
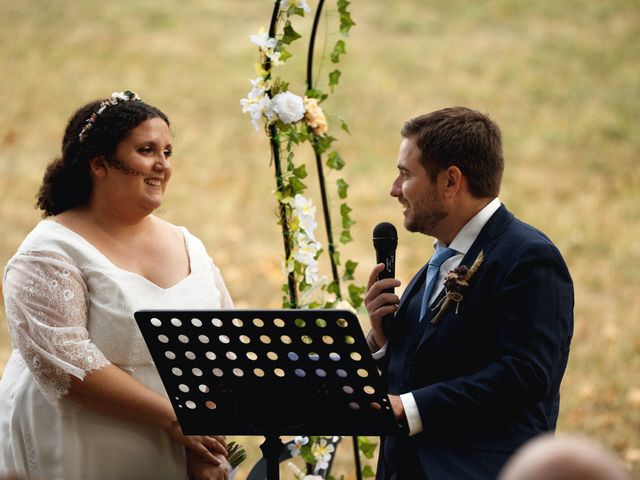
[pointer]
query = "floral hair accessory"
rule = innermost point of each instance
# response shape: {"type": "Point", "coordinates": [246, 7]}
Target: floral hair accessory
{"type": "Point", "coordinates": [454, 283]}
{"type": "Point", "coordinates": [116, 97]}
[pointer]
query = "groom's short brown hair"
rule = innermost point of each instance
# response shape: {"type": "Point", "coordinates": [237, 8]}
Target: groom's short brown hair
{"type": "Point", "coordinates": [464, 138]}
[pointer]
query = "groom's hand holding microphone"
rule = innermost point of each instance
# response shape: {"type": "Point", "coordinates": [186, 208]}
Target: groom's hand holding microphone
{"type": "Point", "coordinates": [379, 298]}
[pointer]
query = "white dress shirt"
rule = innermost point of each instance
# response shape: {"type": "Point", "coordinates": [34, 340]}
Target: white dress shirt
{"type": "Point", "coordinates": [461, 244]}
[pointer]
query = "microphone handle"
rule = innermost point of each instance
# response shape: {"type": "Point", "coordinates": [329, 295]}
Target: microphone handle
{"type": "Point", "coordinates": [389, 260]}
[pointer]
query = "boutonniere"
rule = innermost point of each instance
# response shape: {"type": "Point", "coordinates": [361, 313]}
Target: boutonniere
{"type": "Point", "coordinates": [454, 283]}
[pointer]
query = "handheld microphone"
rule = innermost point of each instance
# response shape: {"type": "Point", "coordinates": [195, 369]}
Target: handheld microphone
{"type": "Point", "coordinates": [385, 241]}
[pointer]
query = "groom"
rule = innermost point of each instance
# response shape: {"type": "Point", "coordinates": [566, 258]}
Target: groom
{"type": "Point", "coordinates": [473, 358]}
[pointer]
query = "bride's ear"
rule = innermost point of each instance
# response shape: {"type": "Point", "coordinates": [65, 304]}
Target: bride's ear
{"type": "Point", "coordinates": [98, 166]}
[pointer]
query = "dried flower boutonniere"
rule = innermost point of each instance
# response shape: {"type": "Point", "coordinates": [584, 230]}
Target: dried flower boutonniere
{"type": "Point", "coordinates": [455, 281]}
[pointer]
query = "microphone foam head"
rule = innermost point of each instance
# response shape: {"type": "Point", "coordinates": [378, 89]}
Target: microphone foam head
{"type": "Point", "coordinates": [385, 230]}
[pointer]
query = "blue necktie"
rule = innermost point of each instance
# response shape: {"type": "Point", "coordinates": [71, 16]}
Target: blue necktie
{"type": "Point", "coordinates": [441, 255]}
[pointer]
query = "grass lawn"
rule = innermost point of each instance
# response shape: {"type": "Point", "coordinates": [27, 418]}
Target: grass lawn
{"type": "Point", "coordinates": [561, 78]}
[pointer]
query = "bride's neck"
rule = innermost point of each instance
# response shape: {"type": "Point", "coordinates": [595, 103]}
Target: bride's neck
{"type": "Point", "coordinates": [115, 223]}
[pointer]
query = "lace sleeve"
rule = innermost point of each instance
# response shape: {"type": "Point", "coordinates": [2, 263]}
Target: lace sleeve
{"type": "Point", "coordinates": [225, 297]}
{"type": "Point", "coordinates": [45, 301]}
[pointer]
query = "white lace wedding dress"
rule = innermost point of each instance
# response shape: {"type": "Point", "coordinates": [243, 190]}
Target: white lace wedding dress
{"type": "Point", "coordinates": [70, 311]}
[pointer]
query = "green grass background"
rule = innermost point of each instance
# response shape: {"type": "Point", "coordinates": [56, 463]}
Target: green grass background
{"type": "Point", "coordinates": [562, 79]}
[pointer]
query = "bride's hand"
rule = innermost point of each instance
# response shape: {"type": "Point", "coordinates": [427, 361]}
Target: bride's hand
{"type": "Point", "coordinates": [205, 446]}
{"type": "Point", "coordinates": [201, 470]}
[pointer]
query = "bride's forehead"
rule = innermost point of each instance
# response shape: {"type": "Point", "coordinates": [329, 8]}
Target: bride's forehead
{"type": "Point", "coordinates": [152, 129]}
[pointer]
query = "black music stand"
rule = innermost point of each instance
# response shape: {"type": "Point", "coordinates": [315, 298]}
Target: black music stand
{"type": "Point", "coordinates": [268, 372]}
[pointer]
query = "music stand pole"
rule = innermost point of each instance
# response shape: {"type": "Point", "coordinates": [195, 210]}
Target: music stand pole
{"type": "Point", "coordinates": [271, 449]}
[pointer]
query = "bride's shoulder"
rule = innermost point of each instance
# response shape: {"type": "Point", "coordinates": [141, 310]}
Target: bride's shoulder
{"type": "Point", "coordinates": [165, 228]}
{"type": "Point", "coordinates": [179, 233]}
{"type": "Point", "coordinates": [51, 236]}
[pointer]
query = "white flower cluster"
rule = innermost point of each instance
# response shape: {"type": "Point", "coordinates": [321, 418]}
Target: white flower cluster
{"type": "Point", "coordinates": [322, 452]}
{"type": "Point", "coordinates": [285, 106]}
{"type": "Point", "coordinates": [267, 45]}
{"type": "Point", "coordinates": [299, 474]}
{"type": "Point", "coordinates": [298, 3]}
{"type": "Point", "coordinates": [257, 102]}
{"type": "Point", "coordinates": [306, 246]}
{"type": "Point", "coordinates": [298, 443]}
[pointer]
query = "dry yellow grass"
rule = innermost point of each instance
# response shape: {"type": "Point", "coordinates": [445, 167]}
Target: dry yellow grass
{"type": "Point", "coordinates": [561, 78]}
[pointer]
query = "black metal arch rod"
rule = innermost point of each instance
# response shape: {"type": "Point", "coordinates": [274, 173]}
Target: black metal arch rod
{"type": "Point", "coordinates": [325, 203]}
{"type": "Point", "coordinates": [275, 151]}
{"type": "Point", "coordinates": [323, 188]}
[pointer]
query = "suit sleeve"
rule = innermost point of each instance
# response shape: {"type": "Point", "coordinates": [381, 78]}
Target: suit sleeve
{"type": "Point", "coordinates": [535, 323]}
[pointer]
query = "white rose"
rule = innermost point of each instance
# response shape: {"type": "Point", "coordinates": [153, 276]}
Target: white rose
{"type": "Point", "coordinates": [288, 106]}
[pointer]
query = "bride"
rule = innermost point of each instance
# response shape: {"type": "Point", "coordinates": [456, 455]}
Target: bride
{"type": "Point", "coordinates": [80, 397]}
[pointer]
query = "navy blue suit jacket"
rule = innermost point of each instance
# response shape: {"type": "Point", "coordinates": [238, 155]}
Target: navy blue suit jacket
{"type": "Point", "coordinates": [485, 378]}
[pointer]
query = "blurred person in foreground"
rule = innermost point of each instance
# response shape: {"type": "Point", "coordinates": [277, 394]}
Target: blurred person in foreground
{"type": "Point", "coordinates": [564, 458]}
{"type": "Point", "coordinates": [80, 396]}
{"type": "Point", "coordinates": [473, 365]}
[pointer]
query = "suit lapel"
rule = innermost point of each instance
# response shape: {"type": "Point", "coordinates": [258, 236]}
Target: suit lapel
{"type": "Point", "coordinates": [414, 285]}
{"type": "Point", "coordinates": [487, 239]}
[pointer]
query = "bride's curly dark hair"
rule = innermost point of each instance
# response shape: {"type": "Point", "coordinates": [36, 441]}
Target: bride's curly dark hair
{"type": "Point", "coordinates": [67, 182]}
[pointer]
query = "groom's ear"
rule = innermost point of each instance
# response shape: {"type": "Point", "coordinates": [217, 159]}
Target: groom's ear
{"type": "Point", "coordinates": [452, 180]}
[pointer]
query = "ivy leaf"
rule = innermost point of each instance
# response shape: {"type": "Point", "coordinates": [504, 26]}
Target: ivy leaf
{"type": "Point", "coordinates": [343, 125]}
{"type": "Point", "coordinates": [342, 188]}
{"type": "Point", "coordinates": [300, 171]}
{"type": "Point", "coordinates": [334, 78]}
{"type": "Point", "coordinates": [287, 192]}
{"type": "Point", "coordinates": [317, 94]}
{"type": "Point", "coordinates": [338, 50]}
{"type": "Point", "coordinates": [278, 86]}
{"type": "Point", "coordinates": [290, 165]}
{"type": "Point", "coordinates": [286, 298]}
{"type": "Point", "coordinates": [335, 161]}
{"type": "Point", "coordinates": [285, 54]}
{"type": "Point", "coordinates": [345, 236]}
{"type": "Point", "coordinates": [367, 447]}
{"type": "Point", "coordinates": [293, 137]}
{"type": "Point", "coordinates": [367, 472]}
{"type": "Point", "coordinates": [322, 144]}
{"type": "Point", "coordinates": [303, 131]}
{"type": "Point", "coordinates": [355, 296]}
{"type": "Point", "coordinates": [295, 10]}
{"type": "Point", "coordinates": [308, 457]}
{"type": "Point", "coordinates": [344, 213]}
{"type": "Point", "coordinates": [289, 34]}
{"type": "Point", "coordinates": [334, 288]}
{"type": "Point", "coordinates": [349, 270]}
{"type": "Point", "coordinates": [336, 257]}
{"type": "Point", "coordinates": [346, 22]}
{"type": "Point", "coordinates": [297, 185]}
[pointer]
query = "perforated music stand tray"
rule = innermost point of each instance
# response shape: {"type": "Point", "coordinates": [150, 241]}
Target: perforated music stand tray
{"type": "Point", "coordinates": [268, 372]}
